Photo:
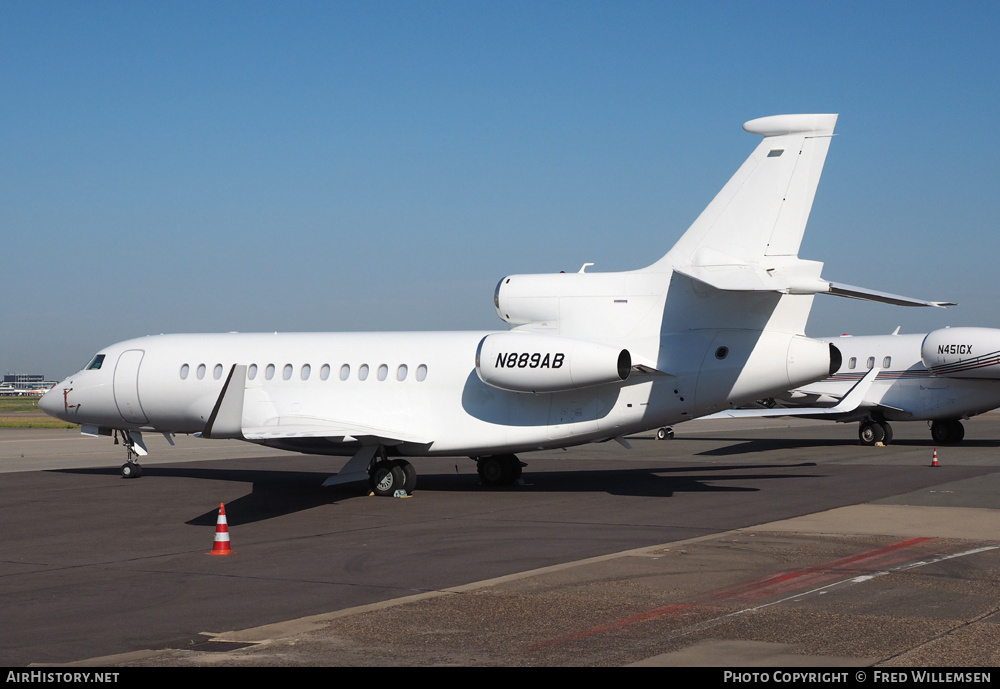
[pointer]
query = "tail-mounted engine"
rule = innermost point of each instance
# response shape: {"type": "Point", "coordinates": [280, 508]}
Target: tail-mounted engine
{"type": "Point", "coordinates": [530, 362]}
{"type": "Point", "coordinates": [962, 352]}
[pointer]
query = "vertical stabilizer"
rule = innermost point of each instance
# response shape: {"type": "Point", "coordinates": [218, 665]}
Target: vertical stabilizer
{"type": "Point", "coordinates": [762, 211]}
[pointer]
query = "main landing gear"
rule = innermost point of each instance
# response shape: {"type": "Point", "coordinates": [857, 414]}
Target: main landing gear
{"type": "Point", "coordinates": [947, 432]}
{"type": "Point", "coordinates": [499, 470]}
{"type": "Point", "coordinates": [387, 476]}
{"type": "Point", "coordinates": [872, 432]}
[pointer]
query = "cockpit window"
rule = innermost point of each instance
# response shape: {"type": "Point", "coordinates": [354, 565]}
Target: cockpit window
{"type": "Point", "coordinates": [95, 363]}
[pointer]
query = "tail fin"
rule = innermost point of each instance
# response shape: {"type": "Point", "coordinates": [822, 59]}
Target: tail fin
{"type": "Point", "coordinates": [762, 211]}
{"type": "Point", "coordinates": [748, 237]}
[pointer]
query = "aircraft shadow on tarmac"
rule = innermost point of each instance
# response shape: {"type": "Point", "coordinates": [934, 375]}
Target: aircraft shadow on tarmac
{"type": "Point", "coordinates": [277, 493]}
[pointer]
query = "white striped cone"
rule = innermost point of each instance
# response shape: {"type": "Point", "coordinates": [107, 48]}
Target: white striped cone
{"type": "Point", "coordinates": [221, 546]}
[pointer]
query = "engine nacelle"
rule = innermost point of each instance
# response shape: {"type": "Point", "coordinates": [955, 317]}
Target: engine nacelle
{"type": "Point", "coordinates": [529, 362]}
{"type": "Point", "coordinates": [962, 352]}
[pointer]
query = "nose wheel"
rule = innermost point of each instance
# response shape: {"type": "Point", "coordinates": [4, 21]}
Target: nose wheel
{"type": "Point", "coordinates": [131, 468]}
{"type": "Point", "coordinates": [665, 433]}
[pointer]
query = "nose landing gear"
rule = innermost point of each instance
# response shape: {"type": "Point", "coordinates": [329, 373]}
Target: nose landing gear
{"type": "Point", "coordinates": [134, 447]}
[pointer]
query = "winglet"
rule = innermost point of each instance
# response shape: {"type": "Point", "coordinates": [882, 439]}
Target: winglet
{"type": "Point", "coordinates": [855, 396]}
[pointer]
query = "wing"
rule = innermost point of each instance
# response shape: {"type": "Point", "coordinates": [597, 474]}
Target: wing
{"type": "Point", "coordinates": [851, 401]}
{"type": "Point", "coordinates": [228, 421]}
{"type": "Point", "coordinates": [331, 429]}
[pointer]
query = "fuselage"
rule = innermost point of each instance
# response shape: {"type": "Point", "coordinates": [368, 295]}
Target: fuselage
{"type": "Point", "coordinates": [420, 389]}
{"type": "Point", "coordinates": [906, 389]}
{"type": "Point", "coordinates": [416, 393]}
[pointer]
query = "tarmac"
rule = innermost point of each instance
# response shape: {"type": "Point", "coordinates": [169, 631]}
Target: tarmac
{"type": "Point", "coordinates": [739, 544]}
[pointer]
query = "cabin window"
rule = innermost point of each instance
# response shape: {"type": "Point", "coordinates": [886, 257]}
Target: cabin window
{"type": "Point", "coordinates": [95, 363]}
{"type": "Point", "coordinates": [269, 371]}
{"type": "Point", "coordinates": [871, 363]}
{"type": "Point", "coordinates": [363, 372]}
{"type": "Point", "coordinates": [852, 362]}
{"type": "Point", "coordinates": [201, 371]}
{"type": "Point", "coordinates": [218, 371]}
{"type": "Point", "coordinates": [306, 370]}
{"type": "Point", "coordinates": [252, 371]}
{"type": "Point", "coordinates": [185, 370]}
{"type": "Point", "coordinates": [345, 371]}
{"type": "Point", "coordinates": [324, 372]}
{"type": "Point", "coordinates": [401, 372]}
{"type": "Point", "coordinates": [886, 362]}
{"type": "Point", "coordinates": [286, 372]}
{"type": "Point", "coordinates": [421, 372]}
{"type": "Point", "coordinates": [383, 372]}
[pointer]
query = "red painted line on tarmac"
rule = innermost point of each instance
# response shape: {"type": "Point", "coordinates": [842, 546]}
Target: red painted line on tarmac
{"type": "Point", "coordinates": [673, 610]}
{"type": "Point", "coordinates": [770, 585]}
{"type": "Point", "coordinates": [784, 582]}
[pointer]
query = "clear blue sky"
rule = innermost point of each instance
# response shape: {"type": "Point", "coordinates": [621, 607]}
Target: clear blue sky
{"type": "Point", "coordinates": [193, 167]}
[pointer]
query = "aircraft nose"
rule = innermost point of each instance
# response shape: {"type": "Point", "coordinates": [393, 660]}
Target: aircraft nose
{"type": "Point", "coordinates": [52, 401]}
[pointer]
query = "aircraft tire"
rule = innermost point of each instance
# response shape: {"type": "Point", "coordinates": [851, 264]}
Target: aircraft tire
{"type": "Point", "coordinates": [409, 475]}
{"type": "Point", "coordinates": [870, 433]}
{"type": "Point", "coordinates": [495, 471]}
{"type": "Point", "coordinates": [386, 479]}
{"type": "Point", "coordinates": [665, 433]}
{"type": "Point", "coordinates": [947, 432]}
{"type": "Point", "coordinates": [886, 432]}
{"type": "Point", "coordinates": [131, 470]}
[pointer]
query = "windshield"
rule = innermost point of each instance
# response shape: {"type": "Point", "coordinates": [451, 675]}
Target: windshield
{"type": "Point", "coordinates": [95, 363]}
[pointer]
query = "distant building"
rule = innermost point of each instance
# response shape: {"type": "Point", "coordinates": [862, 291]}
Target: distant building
{"type": "Point", "coordinates": [21, 384]}
{"type": "Point", "coordinates": [23, 379]}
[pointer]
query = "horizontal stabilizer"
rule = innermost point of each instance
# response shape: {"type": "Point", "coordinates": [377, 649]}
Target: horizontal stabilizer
{"type": "Point", "coordinates": [841, 290]}
{"type": "Point", "coordinates": [790, 277]}
{"type": "Point", "coordinates": [851, 401]}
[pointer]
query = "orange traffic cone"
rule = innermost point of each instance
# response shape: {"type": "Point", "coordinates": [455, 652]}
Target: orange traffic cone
{"type": "Point", "coordinates": [934, 460]}
{"type": "Point", "coordinates": [221, 546]}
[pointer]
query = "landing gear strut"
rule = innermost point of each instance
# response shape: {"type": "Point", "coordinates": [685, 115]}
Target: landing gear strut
{"type": "Point", "coordinates": [131, 468]}
{"type": "Point", "coordinates": [499, 470]}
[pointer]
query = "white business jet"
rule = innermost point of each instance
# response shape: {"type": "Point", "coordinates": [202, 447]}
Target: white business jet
{"type": "Point", "coordinates": [588, 357]}
{"type": "Point", "coordinates": [942, 377]}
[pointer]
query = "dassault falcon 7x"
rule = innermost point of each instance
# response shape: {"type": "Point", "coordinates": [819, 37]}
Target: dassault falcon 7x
{"type": "Point", "coordinates": [941, 377]}
{"type": "Point", "coordinates": [588, 357]}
